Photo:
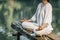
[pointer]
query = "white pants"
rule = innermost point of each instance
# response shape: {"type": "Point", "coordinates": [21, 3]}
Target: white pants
{"type": "Point", "coordinates": [33, 26]}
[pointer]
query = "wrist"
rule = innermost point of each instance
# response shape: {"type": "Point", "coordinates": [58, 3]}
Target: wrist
{"type": "Point", "coordinates": [29, 20]}
{"type": "Point", "coordinates": [39, 27]}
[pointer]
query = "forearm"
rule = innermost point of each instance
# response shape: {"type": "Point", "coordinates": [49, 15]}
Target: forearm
{"type": "Point", "coordinates": [29, 20]}
{"type": "Point", "coordinates": [42, 27]}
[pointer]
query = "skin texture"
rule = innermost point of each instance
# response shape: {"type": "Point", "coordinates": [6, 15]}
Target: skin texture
{"type": "Point", "coordinates": [44, 2]}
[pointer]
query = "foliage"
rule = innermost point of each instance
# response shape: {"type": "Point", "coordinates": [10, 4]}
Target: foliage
{"type": "Point", "coordinates": [15, 10]}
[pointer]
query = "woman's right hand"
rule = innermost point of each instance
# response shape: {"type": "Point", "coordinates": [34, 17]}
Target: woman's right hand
{"type": "Point", "coordinates": [24, 20]}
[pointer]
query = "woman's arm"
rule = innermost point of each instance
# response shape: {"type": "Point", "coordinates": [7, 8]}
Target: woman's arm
{"type": "Point", "coordinates": [42, 27]}
{"type": "Point", "coordinates": [25, 20]}
{"type": "Point", "coordinates": [48, 17]}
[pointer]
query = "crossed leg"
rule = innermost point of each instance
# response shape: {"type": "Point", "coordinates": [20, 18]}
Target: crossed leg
{"type": "Point", "coordinates": [32, 26]}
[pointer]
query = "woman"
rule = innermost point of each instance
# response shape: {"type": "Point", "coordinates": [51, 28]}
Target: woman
{"type": "Point", "coordinates": [43, 16]}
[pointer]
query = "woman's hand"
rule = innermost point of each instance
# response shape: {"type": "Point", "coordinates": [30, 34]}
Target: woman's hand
{"type": "Point", "coordinates": [42, 27]}
{"type": "Point", "coordinates": [24, 20]}
{"type": "Point", "coordinates": [39, 28]}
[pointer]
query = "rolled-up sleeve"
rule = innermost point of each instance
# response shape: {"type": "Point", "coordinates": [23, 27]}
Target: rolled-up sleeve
{"type": "Point", "coordinates": [48, 14]}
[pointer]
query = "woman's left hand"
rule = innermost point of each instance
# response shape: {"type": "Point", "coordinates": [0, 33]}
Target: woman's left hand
{"type": "Point", "coordinates": [39, 28]}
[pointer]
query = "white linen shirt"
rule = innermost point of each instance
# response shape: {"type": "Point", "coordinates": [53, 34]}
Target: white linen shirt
{"type": "Point", "coordinates": [43, 15]}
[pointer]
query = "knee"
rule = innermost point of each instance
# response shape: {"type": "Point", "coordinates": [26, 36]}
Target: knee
{"type": "Point", "coordinates": [24, 23]}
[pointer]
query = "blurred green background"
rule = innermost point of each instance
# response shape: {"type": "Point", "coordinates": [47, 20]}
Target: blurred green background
{"type": "Point", "coordinates": [14, 10]}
